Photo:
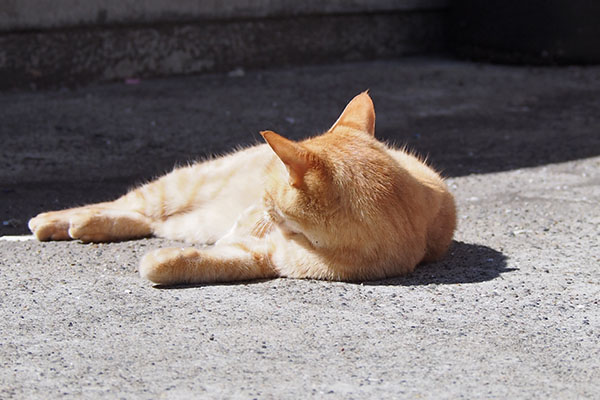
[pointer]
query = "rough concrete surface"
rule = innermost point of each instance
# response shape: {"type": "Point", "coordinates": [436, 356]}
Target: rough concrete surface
{"type": "Point", "coordinates": [512, 312]}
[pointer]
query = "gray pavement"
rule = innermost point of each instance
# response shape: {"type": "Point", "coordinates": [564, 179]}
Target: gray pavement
{"type": "Point", "coordinates": [512, 311]}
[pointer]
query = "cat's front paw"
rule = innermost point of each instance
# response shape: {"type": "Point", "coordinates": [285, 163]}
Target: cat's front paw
{"type": "Point", "coordinates": [85, 224]}
{"type": "Point", "coordinates": [169, 266]}
{"type": "Point", "coordinates": [50, 226]}
{"type": "Point", "coordinates": [90, 226]}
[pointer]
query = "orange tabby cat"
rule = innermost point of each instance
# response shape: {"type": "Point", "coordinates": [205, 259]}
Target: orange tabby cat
{"type": "Point", "coordinates": [340, 206]}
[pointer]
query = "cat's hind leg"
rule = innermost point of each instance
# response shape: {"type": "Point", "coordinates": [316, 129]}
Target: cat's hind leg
{"type": "Point", "coordinates": [227, 263]}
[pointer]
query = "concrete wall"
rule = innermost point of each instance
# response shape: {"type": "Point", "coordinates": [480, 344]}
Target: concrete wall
{"type": "Point", "coordinates": [43, 14]}
{"type": "Point", "coordinates": [72, 42]}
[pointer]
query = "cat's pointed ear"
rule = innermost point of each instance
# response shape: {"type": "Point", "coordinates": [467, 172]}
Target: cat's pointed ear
{"type": "Point", "coordinates": [295, 157]}
{"type": "Point", "coordinates": [358, 114]}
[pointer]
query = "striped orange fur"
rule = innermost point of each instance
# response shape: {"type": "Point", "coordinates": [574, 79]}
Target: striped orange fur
{"type": "Point", "coordinates": [339, 206]}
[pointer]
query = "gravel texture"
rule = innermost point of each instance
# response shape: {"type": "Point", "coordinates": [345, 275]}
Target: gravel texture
{"type": "Point", "coordinates": [512, 312]}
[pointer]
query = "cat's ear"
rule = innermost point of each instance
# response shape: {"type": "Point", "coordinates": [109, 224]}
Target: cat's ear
{"type": "Point", "coordinates": [295, 157]}
{"type": "Point", "coordinates": [358, 114]}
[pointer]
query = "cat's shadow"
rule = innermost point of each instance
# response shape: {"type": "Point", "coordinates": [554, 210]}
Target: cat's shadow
{"type": "Point", "coordinates": [464, 263]}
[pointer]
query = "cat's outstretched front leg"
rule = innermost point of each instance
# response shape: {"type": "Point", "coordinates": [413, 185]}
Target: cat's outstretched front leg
{"type": "Point", "coordinates": [226, 263]}
{"type": "Point", "coordinates": [199, 202]}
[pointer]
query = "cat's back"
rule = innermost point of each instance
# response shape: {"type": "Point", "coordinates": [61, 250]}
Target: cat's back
{"type": "Point", "coordinates": [358, 208]}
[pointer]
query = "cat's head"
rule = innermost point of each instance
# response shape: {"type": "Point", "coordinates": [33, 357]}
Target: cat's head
{"type": "Point", "coordinates": [329, 187]}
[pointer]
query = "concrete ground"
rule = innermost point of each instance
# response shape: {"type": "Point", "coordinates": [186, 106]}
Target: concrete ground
{"type": "Point", "coordinates": [512, 312]}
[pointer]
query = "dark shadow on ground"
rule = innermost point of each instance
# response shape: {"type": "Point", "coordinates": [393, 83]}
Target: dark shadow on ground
{"type": "Point", "coordinates": [464, 263]}
{"type": "Point", "coordinates": [63, 148]}
{"type": "Point", "coordinates": [200, 285]}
